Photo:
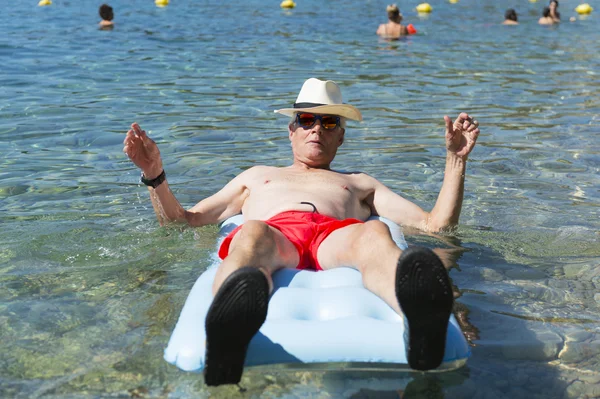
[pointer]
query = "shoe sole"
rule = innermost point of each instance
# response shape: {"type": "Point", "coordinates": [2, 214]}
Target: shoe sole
{"type": "Point", "coordinates": [236, 314]}
{"type": "Point", "coordinates": [425, 296]}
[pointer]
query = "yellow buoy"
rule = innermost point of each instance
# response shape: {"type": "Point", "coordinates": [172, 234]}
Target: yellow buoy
{"type": "Point", "coordinates": [44, 3]}
{"type": "Point", "coordinates": [424, 7]}
{"type": "Point", "coordinates": [453, 1]}
{"type": "Point", "coordinates": [161, 3]}
{"type": "Point", "coordinates": [532, 1]}
{"type": "Point", "coordinates": [584, 8]}
{"type": "Point", "coordinates": [288, 4]}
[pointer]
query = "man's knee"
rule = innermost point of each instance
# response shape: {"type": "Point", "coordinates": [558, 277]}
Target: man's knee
{"type": "Point", "coordinates": [373, 231]}
{"type": "Point", "coordinates": [371, 236]}
{"type": "Point", "coordinates": [255, 228]}
{"type": "Point", "coordinates": [255, 236]}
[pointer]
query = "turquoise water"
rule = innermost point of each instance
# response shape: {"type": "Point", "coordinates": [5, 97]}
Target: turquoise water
{"type": "Point", "coordinates": [91, 286]}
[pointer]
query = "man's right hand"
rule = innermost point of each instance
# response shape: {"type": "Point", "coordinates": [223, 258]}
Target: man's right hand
{"type": "Point", "coordinates": [143, 151]}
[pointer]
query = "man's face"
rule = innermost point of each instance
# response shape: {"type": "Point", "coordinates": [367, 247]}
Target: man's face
{"type": "Point", "coordinates": [315, 138]}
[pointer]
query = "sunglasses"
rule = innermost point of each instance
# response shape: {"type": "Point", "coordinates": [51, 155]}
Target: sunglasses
{"type": "Point", "coordinates": [329, 122]}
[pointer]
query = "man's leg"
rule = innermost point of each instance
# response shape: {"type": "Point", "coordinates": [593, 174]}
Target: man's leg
{"type": "Point", "coordinates": [241, 288]}
{"type": "Point", "coordinates": [414, 283]}
{"type": "Point", "coordinates": [257, 245]}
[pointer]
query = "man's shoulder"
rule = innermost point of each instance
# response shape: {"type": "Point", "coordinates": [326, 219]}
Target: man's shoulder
{"type": "Point", "coordinates": [356, 175]}
{"type": "Point", "coordinates": [257, 170]}
{"type": "Point", "coordinates": [348, 172]}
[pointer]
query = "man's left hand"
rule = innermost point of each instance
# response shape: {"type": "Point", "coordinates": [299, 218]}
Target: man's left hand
{"type": "Point", "coordinates": [461, 135]}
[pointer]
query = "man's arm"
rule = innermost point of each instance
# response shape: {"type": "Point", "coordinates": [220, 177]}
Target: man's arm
{"type": "Point", "coordinates": [390, 205]}
{"type": "Point", "coordinates": [144, 153]}
{"type": "Point", "coordinates": [446, 211]}
{"type": "Point", "coordinates": [220, 206]}
{"type": "Point", "coordinates": [460, 140]}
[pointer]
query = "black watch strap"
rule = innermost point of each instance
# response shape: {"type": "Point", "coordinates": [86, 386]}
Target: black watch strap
{"type": "Point", "coordinates": [154, 182]}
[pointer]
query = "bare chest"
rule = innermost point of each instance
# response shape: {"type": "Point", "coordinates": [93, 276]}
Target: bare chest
{"type": "Point", "coordinates": [317, 182]}
{"type": "Point", "coordinates": [278, 190]}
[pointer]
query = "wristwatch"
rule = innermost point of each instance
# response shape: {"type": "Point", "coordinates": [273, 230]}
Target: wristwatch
{"type": "Point", "coordinates": [154, 182]}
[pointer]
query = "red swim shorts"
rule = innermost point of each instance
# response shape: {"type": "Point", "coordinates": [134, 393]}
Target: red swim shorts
{"type": "Point", "coordinates": [306, 230]}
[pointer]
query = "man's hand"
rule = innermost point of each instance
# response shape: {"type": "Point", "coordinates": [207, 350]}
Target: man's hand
{"type": "Point", "coordinates": [143, 151]}
{"type": "Point", "coordinates": [461, 135]}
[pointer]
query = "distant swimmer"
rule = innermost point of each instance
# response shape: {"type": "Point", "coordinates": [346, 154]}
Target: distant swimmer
{"type": "Point", "coordinates": [546, 18]}
{"type": "Point", "coordinates": [554, 14]}
{"type": "Point", "coordinates": [510, 17]}
{"type": "Point", "coordinates": [106, 13]}
{"type": "Point", "coordinates": [393, 29]}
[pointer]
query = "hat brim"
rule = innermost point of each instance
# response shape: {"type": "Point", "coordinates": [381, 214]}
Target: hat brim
{"type": "Point", "coordinates": [345, 110]}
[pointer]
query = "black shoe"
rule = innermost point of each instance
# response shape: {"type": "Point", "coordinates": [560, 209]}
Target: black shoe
{"type": "Point", "coordinates": [425, 296]}
{"type": "Point", "coordinates": [235, 316]}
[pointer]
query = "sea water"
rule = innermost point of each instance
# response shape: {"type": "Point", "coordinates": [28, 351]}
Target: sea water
{"type": "Point", "coordinates": [91, 286]}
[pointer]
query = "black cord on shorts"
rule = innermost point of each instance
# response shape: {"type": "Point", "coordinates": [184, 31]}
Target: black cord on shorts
{"type": "Point", "coordinates": [311, 204]}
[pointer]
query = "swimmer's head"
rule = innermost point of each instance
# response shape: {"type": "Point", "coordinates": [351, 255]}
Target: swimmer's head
{"type": "Point", "coordinates": [106, 12]}
{"type": "Point", "coordinates": [393, 13]}
{"type": "Point", "coordinates": [511, 15]}
{"type": "Point", "coordinates": [546, 12]}
{"type": "Point", "coordinates": [554, 9]}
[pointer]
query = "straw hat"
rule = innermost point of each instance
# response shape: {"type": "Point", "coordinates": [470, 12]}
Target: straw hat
{"type": "Point", "coordinates": [321, 97]}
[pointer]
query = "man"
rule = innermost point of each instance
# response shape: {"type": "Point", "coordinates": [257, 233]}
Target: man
{"type": "Point", "coordinates": [546, 18]}
{"type": "Point", "coordinates": [510, 17]}
{"type": "Point", "coordinates": [107, 15]}
{"type": "Point", "coordinates": [308, 216]}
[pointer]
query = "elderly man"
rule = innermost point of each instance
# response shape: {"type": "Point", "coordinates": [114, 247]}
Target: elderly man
{"type": "Point", "coordinates": [309, 216]}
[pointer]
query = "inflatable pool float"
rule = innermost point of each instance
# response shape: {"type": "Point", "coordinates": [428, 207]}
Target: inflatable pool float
{"type": "Point", "coordinates": [322, 320]}
{"type": "Point", "coordinates": [411, 29]}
